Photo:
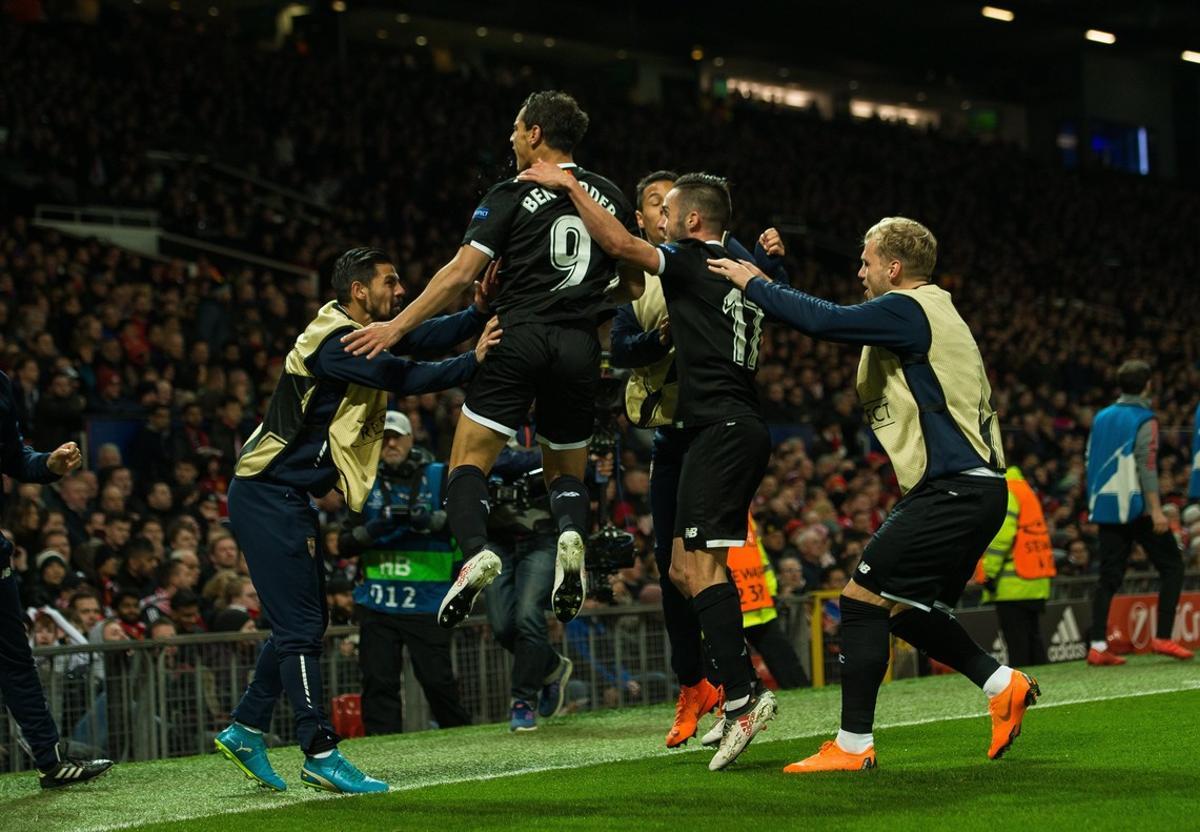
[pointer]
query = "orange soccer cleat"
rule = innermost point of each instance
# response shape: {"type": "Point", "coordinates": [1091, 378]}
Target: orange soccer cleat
{"type": "Point", "coordinates": [831, 757]}
{"type": "Point", "coordinates": [1008, 709]}
{"type": "Point", "coordinates": [1098, 658]}
{"type": "Point", "coordinates": [694, 702]}
{"type": "Point", "coordinates": [1168, 647]}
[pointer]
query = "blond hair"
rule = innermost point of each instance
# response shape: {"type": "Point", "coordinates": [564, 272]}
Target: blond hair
{"type": "Point", "coordinates": [899, 238]}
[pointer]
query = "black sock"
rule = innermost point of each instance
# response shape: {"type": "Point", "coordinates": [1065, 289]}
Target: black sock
{"type": "Point", "coordinates": [569, 502]}
{"type": "Point", "coordinates": [683, 632]}
{"type": "Point", "coordinates": [864, 661]}
{"type": "Point", "coordinates": [941, 637]}
{"type": "Point", "coordinates": [467, 508]}
{"type": "Point", "coordinates": [720, 615]}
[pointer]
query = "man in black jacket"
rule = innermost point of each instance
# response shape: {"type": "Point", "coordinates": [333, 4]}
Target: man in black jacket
{"type": "Point", "coordinates": [19, 684]}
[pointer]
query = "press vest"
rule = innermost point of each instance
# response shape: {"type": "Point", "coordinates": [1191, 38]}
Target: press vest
{"type": "Point", "coordinates": [1114, 487]}
{"type": "Point", "coordinates": [754, 578]}
{"type": "Point", "coordinates": [1020, 558]}
{"type": "Point", "coordinates": [652, 392]}
{"type": "Point", "coordinates": [892, 408]}
{"type": "Point", "coordinates": [407, 572]}
{"type": "Point", "coordinates": [354, 432]}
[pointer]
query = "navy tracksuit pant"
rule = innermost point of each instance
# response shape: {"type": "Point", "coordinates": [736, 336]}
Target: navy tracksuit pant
{"type": "Point", "coordinates": [277, 528]}
{"type": "Point", "coordinates": [19, 684]}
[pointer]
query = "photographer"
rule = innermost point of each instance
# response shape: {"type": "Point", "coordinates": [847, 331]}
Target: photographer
{"type": "Point", "coordinates": [525, 537]}
{"type": "Point", "coordinates": [406, 563]}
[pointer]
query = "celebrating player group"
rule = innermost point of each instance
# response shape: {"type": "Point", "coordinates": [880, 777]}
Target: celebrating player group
{"type": "Point", "coordinates": [561, 250]}
{"type": "Point", "coordinates": [570, 247]}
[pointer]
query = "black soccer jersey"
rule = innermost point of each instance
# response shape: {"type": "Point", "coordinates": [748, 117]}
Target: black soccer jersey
{"type": "Point", "coordinates": [551, 270]}
{"type": "Point", "coordinates": [717, 334]}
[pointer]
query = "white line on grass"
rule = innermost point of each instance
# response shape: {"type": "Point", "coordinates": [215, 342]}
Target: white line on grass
{"type": "Point", "coordinates": [648, 754]}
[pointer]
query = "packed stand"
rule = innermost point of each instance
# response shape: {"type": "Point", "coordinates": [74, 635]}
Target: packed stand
{"type": "Point", "coordinates": [189, 356]}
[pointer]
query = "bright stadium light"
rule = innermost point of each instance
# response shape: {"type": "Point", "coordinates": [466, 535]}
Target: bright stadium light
{"type": "Point", "coordinates": [994, 13]}
{"type": "Point", "coordinates": [338, 6]}
{"type": "Point", "coordinates": [1097, 36]}
{"type": "Point", "coordinates": [1190, 56]}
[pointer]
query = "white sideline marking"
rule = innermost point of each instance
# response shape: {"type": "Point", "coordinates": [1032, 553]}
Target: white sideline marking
{"type": "Point", "coordinates": [655, 752]}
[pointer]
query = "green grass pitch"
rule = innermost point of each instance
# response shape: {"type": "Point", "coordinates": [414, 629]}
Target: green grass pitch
{"type": "Point", "coordinates": [1106, 748]}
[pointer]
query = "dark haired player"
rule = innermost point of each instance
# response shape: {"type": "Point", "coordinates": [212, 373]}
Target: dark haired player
{"type": "Point", "coordinates": [717, 336]}
{"type": "Point", "coordinates": [553, 279]}
{"type": "Point", "coordinates": [641, 341]}
{"type": "Point", "coordinates": [323, 430]}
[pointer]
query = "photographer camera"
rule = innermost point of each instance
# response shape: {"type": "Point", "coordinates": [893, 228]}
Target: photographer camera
{"type": "Point", "coordinates": [525, 537]}
{"type": "Point", "coordinates": [407, 561]}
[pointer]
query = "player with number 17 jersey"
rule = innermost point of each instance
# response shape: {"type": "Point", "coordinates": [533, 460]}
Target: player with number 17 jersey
{"type": "Point", "coordinates": [550, 270]}
{"type": "Point", "coordinates": [717, 333]}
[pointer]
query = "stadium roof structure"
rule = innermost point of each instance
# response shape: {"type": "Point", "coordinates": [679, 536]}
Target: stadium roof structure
{"type": "Point", "coordinates": [931, 41]}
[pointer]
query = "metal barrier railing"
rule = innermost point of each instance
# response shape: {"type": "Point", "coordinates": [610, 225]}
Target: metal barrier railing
{"type": "Point", "coordinates": [140, 700]}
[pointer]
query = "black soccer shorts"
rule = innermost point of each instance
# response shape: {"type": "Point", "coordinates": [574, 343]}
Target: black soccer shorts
{"type": "Point", "coordinates": [556, 365]}
{"type": "Point", "coordinates": [722, 469]}
{"type": "Point", "coordinates": [927, 548]}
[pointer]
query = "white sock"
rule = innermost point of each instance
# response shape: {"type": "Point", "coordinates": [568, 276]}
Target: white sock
{"type": "Point", "coordinates": [734, 704]}
{"type": "Point", "coordinates": [248, 728]}
{"type": "Point", "coordinates": [322, 755]}
{"type": "Point", "coordinates": [1100, 646]}
{"type": "Point", "coordinates": [855, 743]}
{"type": "Point", "coordinates": [998, 681]}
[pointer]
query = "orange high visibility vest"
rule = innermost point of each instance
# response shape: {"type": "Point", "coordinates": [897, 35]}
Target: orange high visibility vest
{"type": "Point", "coordinates": [748, 565]}
{"type": "Point", "coordinates": [1032, 554]}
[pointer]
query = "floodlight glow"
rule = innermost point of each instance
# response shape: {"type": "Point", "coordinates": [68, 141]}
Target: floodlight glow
{"type": "Point", "coordinates": [994, 13]}
{"type": "Point", "coordinates": [1096, 36]}
{"type": "Point", "coordinates": [1190, 56]}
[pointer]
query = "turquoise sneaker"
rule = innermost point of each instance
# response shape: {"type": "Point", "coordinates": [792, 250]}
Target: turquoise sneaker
{"type": "Point", "coordinates": [337, 774]}
{"type": "Point", "coordinates": [247, 750]}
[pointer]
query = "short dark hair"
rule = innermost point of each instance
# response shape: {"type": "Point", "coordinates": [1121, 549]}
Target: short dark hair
{"type": "Point", "coordinates": [648, 180]}
{"type": "Point", "coordinates": [357, 264]}
{"type": "Point", "coordinates": [184, 598]}
{"type": "Point", "coordinates": [121, 594]}
{"type": "Point", "coordinates": [1132, 376]}
{"type": "Point", "coordinates": [708, 195]}
{"type": "Point", "coordinates": [563, 123]}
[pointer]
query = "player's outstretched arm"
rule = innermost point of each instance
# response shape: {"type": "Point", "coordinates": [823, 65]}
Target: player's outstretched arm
{"type": "Point", "coordinates": [445, 286]}
{"type": "Point", "coordinates": [889, 321]}
{"type": "Point", "coordinates": [603, 227]}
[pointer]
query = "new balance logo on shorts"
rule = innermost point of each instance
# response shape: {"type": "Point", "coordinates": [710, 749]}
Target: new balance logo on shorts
{"type": "Point", "coordinates": [691, 531]}
{"type": "Point", "coordinates": [1067, 642]}
{"type": "Point", "coordinates": [864, 568]}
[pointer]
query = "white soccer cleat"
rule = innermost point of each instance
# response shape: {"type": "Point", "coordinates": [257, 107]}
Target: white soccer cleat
{"type": "Point", "coordinates": [474, 576]}
{"type": "Point", "coordinates": [740, 730]}
{"type": "Point", "coordinates": [713, 738]}
{"type": "Point", "coordinates": [570, 580]}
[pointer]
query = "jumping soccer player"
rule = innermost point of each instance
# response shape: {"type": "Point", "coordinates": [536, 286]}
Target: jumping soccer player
{"type": "Point", "coordinates": [926, 394]}
{"type": "Point", "coordinates": [554, 280]}
{"type": "Point", "coordinates": [717, 335]}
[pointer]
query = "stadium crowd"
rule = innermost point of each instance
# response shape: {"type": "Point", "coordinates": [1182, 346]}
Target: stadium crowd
{"type": "Point", "coordinates": [1061, 276]}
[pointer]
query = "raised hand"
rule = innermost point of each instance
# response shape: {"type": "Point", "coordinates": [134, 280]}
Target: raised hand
{"type": "Point", "coordinates": [772, 243]}
{"type": "Point", "coordinates": [546, 174]}
{"type": "Point", "coordinates": [372, 339]}
{"type": "Point", "coordinates": [488, 288]}
{"type": "Point", "coordinates": [63, 458]}
{"type": "Point", "coordinates": [737, 272]}
{"type": "Point", "coordinates": [489, 338]}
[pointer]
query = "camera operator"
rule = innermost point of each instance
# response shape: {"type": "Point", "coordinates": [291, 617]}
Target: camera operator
{"type": "Point", "coordinates": [525, 537]}
{"type": "Point", "coordinates": [407, 560]}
